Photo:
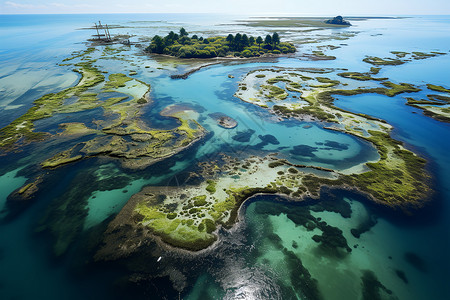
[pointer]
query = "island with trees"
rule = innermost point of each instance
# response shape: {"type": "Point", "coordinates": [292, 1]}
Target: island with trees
{"type": "Point", "coordinates": [239, 45]}
{"type": "Point", "coordinates": [339, 20]}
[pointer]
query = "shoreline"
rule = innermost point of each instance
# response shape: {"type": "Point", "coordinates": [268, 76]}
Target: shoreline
{"type": "Point", "coordinates": [291, 181]}
{"type": "Point", "coordinates": [218, 61]}
{"type": "Point", "coordinates": [308, 199]}
{"type": "Point", "coordinates": [321, 97]}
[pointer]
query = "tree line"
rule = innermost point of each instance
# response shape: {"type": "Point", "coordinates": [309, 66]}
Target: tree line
{"type": "Point", "coordinates": [239, 42]}
{"type": "Point", "coordinates": [181, 45]}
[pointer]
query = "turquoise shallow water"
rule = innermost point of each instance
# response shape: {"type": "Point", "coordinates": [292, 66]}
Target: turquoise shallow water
{"type": "Point", "coordinates": [219, 94]}
{"type": "Point", "coordinates": [249, 264]}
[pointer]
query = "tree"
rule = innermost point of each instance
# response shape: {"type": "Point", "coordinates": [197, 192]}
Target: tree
{"type": "Point", "coordinates": [268, 39]}
{"type": "Point", "coordinates": [186, 52]}
{"type": "Point", "coordinates": [237, 41]}
{"type": "Point", "coordinates": [244, 40]}
{"type": "Point", "coordinates": [172, 36]}
{"type": "Point", "coordinates": [184, 40]}
{"type": "Point", "coordinates": [157, 45]}
{"type": "Point", "coordinates": [259, 41]}
{"type": "Point", "coordinates": [251, 40]}
{"type": "Point", "coordinates": [194, 37]}
{"type": "Point", "coordinates": [183, 32]}
{"type": "Point", "coordinates": [275, 39]}
{"type": "Point", "coordinates": [230, 39]}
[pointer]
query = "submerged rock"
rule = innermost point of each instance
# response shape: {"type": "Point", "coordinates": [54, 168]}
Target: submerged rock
{"type": "Point", "coordinates": [270, 139]}
{"type": "Point", "coordinates": [332, 240]}
{"type": "Point", "coordinates": [416, 261]}
{"type": "Point", "coordinates": [304, 150]}
{"type": "Point", "coordinates": [402, 276]}
{"type": "Point", "coordinates": [224, 121]}
{"type": "Point", "coordinates": [372, 288]}
{"type": "Point", "coordinates": [364, 226]}
{"type": "Point", "coordinates": [243, 136]}
{"type": "Point", "coordinates": [227, 122]}
{"type": "Point", "coordinates": [333, 145]}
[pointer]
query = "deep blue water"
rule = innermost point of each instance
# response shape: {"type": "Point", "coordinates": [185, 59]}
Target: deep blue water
{"type": "Point", "coordinates": [28, 69]}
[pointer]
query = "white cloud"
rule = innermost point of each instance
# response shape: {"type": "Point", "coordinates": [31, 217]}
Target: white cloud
{"type": "Point", "coordinates": [24, 5]}
{"type": "Point", "coordinates": [62, 5]}
{"type": "Point", "coordinates": [255, 7]}
{"type": "Point", "coordinates": [49, 7]}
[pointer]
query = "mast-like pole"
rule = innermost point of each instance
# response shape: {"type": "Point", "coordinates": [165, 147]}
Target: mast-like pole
{"type": "Point", "coordinates": [107, 30]}
{"type": "Point", "coordinates": [98, 34]}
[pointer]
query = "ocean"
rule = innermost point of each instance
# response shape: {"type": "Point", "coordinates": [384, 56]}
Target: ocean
{"type": "Point", "coordinates": [268, 254]}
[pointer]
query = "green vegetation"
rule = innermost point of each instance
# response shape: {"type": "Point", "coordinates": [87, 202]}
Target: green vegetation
{"type": "Point", "coordinates": [293, 170]}
{"type": "Point", "coordinates": [328, 82]}
{"type": "Point", "coordinates": [199, 200]}
{"type": "Point", "coordinates": [25, 188]}
{"type": "Point", "coordinates": [399, 178]}
{"type": "Point", "coordinates": [319, 55]}
{"type": "Point", "coordinates": [338, 20]}
{"type": "Point", "coordinates": [399, 54]}
{"type": "Point", "coordinates": [116, 81]}
{"type": "Point", "coordinates": [275, 92]}
{"type": "Point", "coordinates": [240, 45]}
{"type": "Point", "coordinates": [276, 163]}
{"type": "Point", "coordinates": [211, 186]}
{"type": "Point", "coordinates": [174, 231]}
{"type": "Point", "coordinates": [277, 79]}
{"type": "Point", "coordinates": [290, 22]}
{"type": "Point", "coordinates": [377, 61]}
{"type": "Point", "coordinates": [148, 146]}
{"type": "Point", "coordinates": [422, 55]}
{"type": "Point", "coordinates": [434, 107]}
{"type": "Point", "coordinates": [313, 110]}
{"type": "Point", "coordinates": [82, 54]}
{"type": "Point", "coordinates": [374, 70]}
{"type": "Point", "coordinates": [412, 101]}
{"type": "Point", "coordinates": [142, 101]}
{"type": "Point", "coordinates": [361, 76]}
{"type": "Point", "coordinates": [439, 99]}
{"type": "Point", "coordinates": [61, 158]}
{"type": "Point", "coordinates": [395, 89]}
{"type": "Point", "coordinates": [23, 128]}
{"type": "Point", "coordinates": [400, 58]}
{"type": "Point", "coordinates": [438, 88]}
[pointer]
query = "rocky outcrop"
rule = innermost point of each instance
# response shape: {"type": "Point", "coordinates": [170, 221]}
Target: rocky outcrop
{"type": "Point", "coordinates": [224, 121]}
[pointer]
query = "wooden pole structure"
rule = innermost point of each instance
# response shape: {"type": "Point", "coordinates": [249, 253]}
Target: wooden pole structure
{"type": "Point", "coordinates": [98, 34]}
{"type": "Point", "coordinates": [106, 33]}
{"type": "Point", "coordinates": [107, 30]}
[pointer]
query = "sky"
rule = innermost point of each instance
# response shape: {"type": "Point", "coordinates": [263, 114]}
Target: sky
{"type": "Point", "coordinates": [246, 7]}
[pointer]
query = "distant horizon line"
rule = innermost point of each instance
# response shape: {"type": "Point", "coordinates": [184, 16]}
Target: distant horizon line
{"type": "Point", "coordinates": [231, 14]}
